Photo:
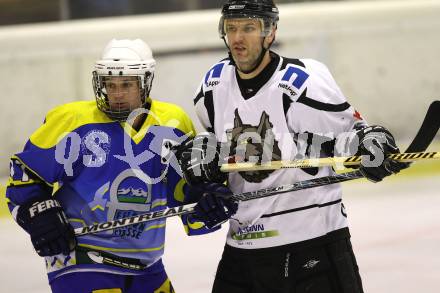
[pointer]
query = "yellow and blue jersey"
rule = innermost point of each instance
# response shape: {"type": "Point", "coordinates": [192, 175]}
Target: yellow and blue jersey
{"type": "Point", "coordinates": [105, 170]}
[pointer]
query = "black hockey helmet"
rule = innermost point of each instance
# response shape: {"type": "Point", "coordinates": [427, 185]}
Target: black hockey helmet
{"type": "Point", "coordinates": [261, 9]}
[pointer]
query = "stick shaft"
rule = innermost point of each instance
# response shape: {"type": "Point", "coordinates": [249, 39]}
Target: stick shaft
{"type": "Point", "coordinates": [189, 208]}
{"type": "Point", "coordinates": [321, 162]}
{"type": "Point", "coordinates": [141, 218]}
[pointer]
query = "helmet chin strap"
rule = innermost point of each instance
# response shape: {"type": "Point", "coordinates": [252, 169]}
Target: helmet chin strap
{"type": "Point", "coordinates": [259, 59]}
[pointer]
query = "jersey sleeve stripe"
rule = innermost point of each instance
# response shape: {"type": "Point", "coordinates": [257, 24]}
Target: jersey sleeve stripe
{"type": "Point", "coordinates": [199, 96]}
{"type": "Point", "coordinates": [303, 99]}
{"type": "Point", "coordinates": [209, 105]}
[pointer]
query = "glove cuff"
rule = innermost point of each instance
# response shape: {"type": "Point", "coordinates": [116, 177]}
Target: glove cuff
{"type": "Point", "coordinates": [36, 207]}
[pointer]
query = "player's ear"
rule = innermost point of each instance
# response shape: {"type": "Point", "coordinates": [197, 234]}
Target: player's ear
{"type": "Point", "coordinates": [271, 37]}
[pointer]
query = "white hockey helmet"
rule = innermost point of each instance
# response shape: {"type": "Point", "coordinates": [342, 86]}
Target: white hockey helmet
{"type": "Point", "coordinates": [123, 58]}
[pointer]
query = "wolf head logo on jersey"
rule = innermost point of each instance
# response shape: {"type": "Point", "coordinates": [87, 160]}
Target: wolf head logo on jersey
{"type": "Point", "coordinates": [253, 144]}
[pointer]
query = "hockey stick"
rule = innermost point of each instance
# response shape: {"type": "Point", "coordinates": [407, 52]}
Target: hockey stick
{"type": "Point", "coordinates": [321, 162]}
{"type": "Point", "coordinates": [422, 140]}
{"type": "Point", "coordinates": [189, 208]}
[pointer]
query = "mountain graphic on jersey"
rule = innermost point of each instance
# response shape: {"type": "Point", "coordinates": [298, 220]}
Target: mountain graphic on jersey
{"type": "Point", "coordinates": [249, 141]}
{"type": "Point", "coordinates": [133, 195]}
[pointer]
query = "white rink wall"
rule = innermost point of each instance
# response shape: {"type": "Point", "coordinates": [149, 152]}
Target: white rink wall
{"type": "Point", "coordinates": [384, 55]}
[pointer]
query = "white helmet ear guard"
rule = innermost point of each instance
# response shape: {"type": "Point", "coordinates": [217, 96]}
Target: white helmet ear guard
{"type": "Point", "coordinates": [123, 58]}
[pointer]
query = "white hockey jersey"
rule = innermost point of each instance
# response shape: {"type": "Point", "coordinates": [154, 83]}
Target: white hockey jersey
{"type": "Point", "coordinates": [300, 98]}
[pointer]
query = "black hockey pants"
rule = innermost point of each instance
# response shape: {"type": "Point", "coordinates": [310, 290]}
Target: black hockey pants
{"type": "Point", "coordinates": [322, 265]}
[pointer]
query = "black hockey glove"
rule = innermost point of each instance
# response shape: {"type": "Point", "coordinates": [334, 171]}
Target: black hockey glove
{"type": "Point", "coordinates": [214, 206]}
{"type": "Point", "coordinates": [199, 159]}
{"type": "Point", "coordinates": [376, 143]}
{"type": "Point", "coordinates": [51, 233]}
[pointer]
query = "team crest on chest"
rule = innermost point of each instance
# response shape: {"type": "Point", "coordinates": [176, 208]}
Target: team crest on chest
{"type": "Point", "coordinates": [253, 143]}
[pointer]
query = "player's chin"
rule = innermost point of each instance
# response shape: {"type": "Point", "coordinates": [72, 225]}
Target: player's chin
{"type": "Point", "coordinates": [119, 107]}
{"type": "Point", "coordinates": [245, 63]}
{"type": "Point", "coordinates": [243, 67]}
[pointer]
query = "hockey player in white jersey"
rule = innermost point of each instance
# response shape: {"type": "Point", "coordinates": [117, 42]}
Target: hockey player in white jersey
{"type": "Point", "coordinates": [255, 99]}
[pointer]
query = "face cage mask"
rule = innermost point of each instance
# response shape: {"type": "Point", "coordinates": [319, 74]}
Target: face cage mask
{"type": "Point", "coordinates": [145, 83]}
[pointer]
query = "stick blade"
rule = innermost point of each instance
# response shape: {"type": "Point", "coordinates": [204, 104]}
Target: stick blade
{"type": "Point", "coordinates": [427, 131]}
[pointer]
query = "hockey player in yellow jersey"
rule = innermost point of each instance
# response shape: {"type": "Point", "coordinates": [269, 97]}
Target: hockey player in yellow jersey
{"type": "Point", "coordinates": [110, 159]}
